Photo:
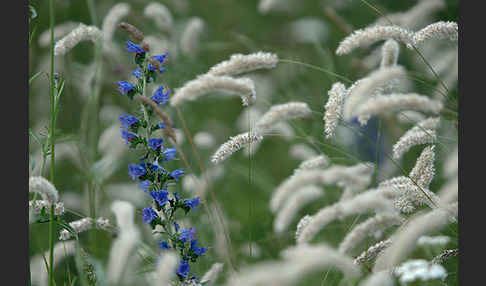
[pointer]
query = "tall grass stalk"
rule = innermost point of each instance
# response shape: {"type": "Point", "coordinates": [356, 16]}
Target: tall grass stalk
{"type": "Point", "coordinates": [52, 144]}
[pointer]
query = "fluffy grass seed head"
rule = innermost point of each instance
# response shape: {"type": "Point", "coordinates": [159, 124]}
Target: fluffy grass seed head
{"type": "Point", "coordinates": [280, 112]}
{"type": "Point", "coordinates": [363, 89]}
{"type": "Point", "coordinates": [437, 31]}
{"type": "Point", "coordinates": [296, 201]}
{"type": "Point", "coordinates": [373, 200]}
{"type": "Point", "coordinates": [333, 108]}
{"type": "Point", "coordinates": [42, 186]}
{"type": "Point", "coordinates": [212, 274]}
{"type": "Point", "coordinates": [234, 144]}
{"type": "Point", "coordinates": [112, 18]}
{"type": "Point", "coordinates": [239, 63]}
{"type": "Point", "coordinates": [376, 223]}
{"type": "Point", "coordinates": [372, 252]}
{"type": "Point", "coordinates": [389, 53]}
{"type": "Point", "coordinates": [160, 14]}
{"type": "Point", "coordinates": [385, 104]}
{"type": "Point", "coordinates": [59, 31]}
{"type": "Point", "coordinates": [404, 239]}
{"type": "Point", "coordinates": [189, 42]}
{"type": "Point", "coordinates": [366, 37]}
{"type": "Point", "coordinates": [79, 34]}
{"type": "Point", "coordinates": [422, 133]}
{"type": "Point", "coordinates": [165, 268]}
{"type": "Point", "coordinates": [206, 83]}
{"type": "Point", "coordinates": [317, 162]}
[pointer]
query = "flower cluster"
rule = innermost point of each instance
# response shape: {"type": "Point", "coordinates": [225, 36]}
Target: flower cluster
{"type": "Point", "coordinates": [137, 130]}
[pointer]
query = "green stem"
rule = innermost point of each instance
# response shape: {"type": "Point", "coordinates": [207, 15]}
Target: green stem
{"type": "Point", "coordinates": [52, 144]}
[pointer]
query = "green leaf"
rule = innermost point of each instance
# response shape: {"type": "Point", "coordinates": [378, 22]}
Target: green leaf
{"type": "Point", "coordinates": [34, 76]}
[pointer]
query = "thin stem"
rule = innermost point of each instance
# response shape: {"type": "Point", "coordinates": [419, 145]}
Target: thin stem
{"type": "Point", "coordinates": [316, 68]}
{"type": "Point", "coordinates": [52, 144]}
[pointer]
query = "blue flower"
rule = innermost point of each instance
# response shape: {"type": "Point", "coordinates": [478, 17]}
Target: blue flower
{"type": "Point", "coordinates": [169, 154]}
{"type": "Point", "coordinates": [161, 58]}
{"type": "Point", "coordinates": [160, 96]}
{"type": "Point", "coordinates": [128, 136]}
{"type": "Point", "coordinates": [145, 185]}
{"type": "Point", "coordinates": [183, 269]}
{"type": "Point", "coordinates": [161, 197]}
{"type": "Point", "coordinates": [187, 234]}
{"type": "Point", "coordinates": [125, 87]}
{"type": "Point", "coordinates": [176, 227]}
{"type": "Point", "coordinates": [154, 167]}
{"type": "Point", "coordinates": [149, 215]}
{"type": "Point", "coordinates": [127, 120]}
{"type": "Point", "coordinates": [163, 245]}
{"type": "Point", "coordinates": [155, 143]}
{"type": "Point", "coordinates": [137, 73]}
{"type": "Point", "coordinates": [136, 171]}
{"type": "Point", "coordinates": [192, 203]}
{"type": "Point", "coordinates": [151, 67]}
{"type": "Point", "coordinates": [197, 250]}
{"type": "Point", "coordinates": [133, 48]}
{"type": "Point", "coordinates": [161, 125]}
{"type": "Point", "coordinates": [176, 195]}
{"type": "Point", "coordinates": [176, 174]}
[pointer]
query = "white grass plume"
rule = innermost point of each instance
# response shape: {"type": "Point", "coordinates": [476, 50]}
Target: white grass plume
{"type": "Point", "coordinates": [333, 108]}
{"type": "Point", "coordinates": [198, 185]}
{"type": "Point", "coordinates": [212, 274]}
{"type": "Point", "coordinates": [376, 223]}
{"type": "Point", "coordinates": [422, 133]}
{"type": "Point", "coordinates": [160, 14]}
{"type": "Point", "coordinates": [451, 164]}
{"type": "Point", "coordinates": [280, 112]}
{"type": "Point", "coordinates": [125, 243]}
{"type": "Point", "coordinates": [317, 162]}
{"type": "Point", "coordinates": [437, 31]}
{"type": "Point", "coordinates": [372, 252]}
{"type": "Point", "coordinates": [405, 239]}
{"type": "Point", "coordinates": [239, 63]}
{"type": "Point", "coordinates": [112, 18]}
{"type": "Point", "coordinates": [423, 172]}
{"type": "Point", "coordinates": [234, 144]}
{"type": "Point", "coordinates": [82, 225]}
{"type": "Point", "coordinates": [296, 263]}
{"type": "Point", "coordinates": [204, 140]}
{"type": "Point", "coordinates": [45, 188]}
{"type": "Point", "coordinates": [60, 30]}
{"type": "Point", "coordinates": [364, 88]}
{"type": "Point", "coordinates": [189, 42]}
{"type": "Point", "coordinates": [79, 34]}
{"type": "Point", "coordinates": [302, 151]}
{"type": "Point", "coordinates": [39, 273]}
{"type": "Point", "coordinates": [366, 37]}
{"type": "Point", "coordinates": [336, 174]}
{"type": "Point", "coordinates": [320, 255]}
{"type": "Point", "coordinates": [410, 116]}
{"type": "Point", "coordinates": [415, 16]}
{"type": "Point", "coordinates": [303, 222]}
{"type": "Point", "coordinates": [385, 104]}
{"type": "Point", "coordinates": [389, 53]}
{"type": "Point", "coordinates": [204, 84]}
{"type": "Point", "coordinates": [165, 268]}
{"type": "Point", "coordinates": [109, 143]}
{"type": "Point", "coordinates": [295, 202]}
{"type": "Point", "coordinates": [377, 200]}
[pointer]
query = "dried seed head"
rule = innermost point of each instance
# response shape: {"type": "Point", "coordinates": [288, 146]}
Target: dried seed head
{"type": "Point", "coordinates": [422, 133]}
{"type": "Point", "coordinates": [132, 30]}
